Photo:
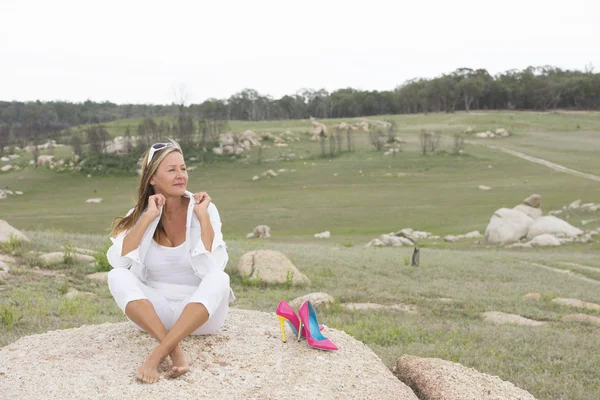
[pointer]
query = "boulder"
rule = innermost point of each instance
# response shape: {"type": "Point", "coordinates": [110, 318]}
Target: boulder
{"type": "Point", "coordinates": [97, 200]}
{"type": "Point", "coordinates": [271, 267]}
{"type": "Point", "coordinates": [98, 277]}
{"type": "Point", "coordinates": [451, 238]}
{"type": "Point", "coordinates": [260, 231]}
{"type": "Point", "coordinates": [473, 235]}
{"type": "Point", "coordinates": [323, 235]}
{"type": "Point", "coordinates": [554, 226]}
{"type": "Point", "coordinates": [375, 243]}
{"type": "Point", "coordinates": [6, 168]}
{"type": "Point", "coordinates": [535, 201]}
{"type": "Point", "coordinates": [500, 318]}
{"type": "Point", "coordinates": [483, 187]}
{"type": "Point", "coordinates": [317, 299]}
{"type": "Point", "coordinates": [574, 205]}
{"type": "Point", "coordinates": [507, 226]}
{"type": "Point", "coordinates": [6, 230]}
{"type": "Point", "coordinates": [586, 319]}
{"type": "Point", "coordinates": [391, 240]}
{"type": "Point", "coordinates": [435, 379]}
{"type": "Point", "coordinates": [44, 160]}
{"type": "Point", "coordinates": [532, 296]}
{"type": "Point", "coordinates": [544, 240]}
{"type": "Point", "coordinates": [576, 303]}
{"type": "Point", "coordinates": [533, 212]}
{"type": "Point", "coordinates": [245, 359]}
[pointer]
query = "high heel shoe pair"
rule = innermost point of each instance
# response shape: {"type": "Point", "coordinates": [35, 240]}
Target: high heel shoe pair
{"type": "Point", "coordinates": [304, 324]}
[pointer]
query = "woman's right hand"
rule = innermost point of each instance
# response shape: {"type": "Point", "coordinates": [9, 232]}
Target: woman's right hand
{"type": "Point", "coordinates": [154, 203]}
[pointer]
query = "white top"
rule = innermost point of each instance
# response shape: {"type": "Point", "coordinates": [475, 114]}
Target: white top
{"type": "Point", "coordinates": [170, 265]}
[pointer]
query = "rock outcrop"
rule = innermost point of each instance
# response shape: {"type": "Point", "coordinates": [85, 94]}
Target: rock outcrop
{"type": "Point", "coordinates": [246, 359]}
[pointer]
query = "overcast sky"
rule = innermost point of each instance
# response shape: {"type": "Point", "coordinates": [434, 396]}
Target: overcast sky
{"type": "Point", "coordinates": [140, 51]}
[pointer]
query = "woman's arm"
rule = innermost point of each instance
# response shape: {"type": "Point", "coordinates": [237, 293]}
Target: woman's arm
{"type": "Point", "coordinates": [206, 229]}
{"type": "Point", "coordinates": [134, 236]}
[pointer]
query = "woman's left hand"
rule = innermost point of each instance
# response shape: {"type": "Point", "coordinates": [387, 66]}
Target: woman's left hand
{"type": "Point", "coordinates": [202, 200]}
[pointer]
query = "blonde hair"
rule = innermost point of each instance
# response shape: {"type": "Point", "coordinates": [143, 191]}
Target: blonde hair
{"type": "Point", "coordinates": [145, 190]}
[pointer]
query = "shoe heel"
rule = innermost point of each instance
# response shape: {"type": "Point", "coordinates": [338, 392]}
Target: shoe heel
{"type": "Point", "coordinates": [281, 322]}
{"type": "Point", "coordinates": [300, 330]}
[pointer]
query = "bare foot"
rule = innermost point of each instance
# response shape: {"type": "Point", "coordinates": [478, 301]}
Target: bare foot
{"type": "Point", "coordinates": [148, 372]}
{"type": "Point", "coordinates": [180, 364]}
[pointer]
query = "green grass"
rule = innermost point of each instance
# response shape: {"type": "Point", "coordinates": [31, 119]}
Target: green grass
{"type": "Point", "coordinates": [358, 196]}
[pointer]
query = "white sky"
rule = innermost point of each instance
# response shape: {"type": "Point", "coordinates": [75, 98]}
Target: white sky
{"type": "Point", "coordinates": [140, 51]}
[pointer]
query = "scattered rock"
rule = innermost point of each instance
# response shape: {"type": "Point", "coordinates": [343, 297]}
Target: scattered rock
{"type": "Point", "coordinates": [94, 200]}
{"type": "Point", "coordinates": [6, 230]}
{"type": "Point", "coordinates": [483, 187]}
{"type": "Point", "coordinates": [574, 205]}
{"type": "Point", "coordinates": [317, 299]}
{"type": "Point", "coordinates": [270, 173]}
{"type": "Point", "coordinates": [575, 303]}
{"type": "Point", "coordinates": [255, 177]}
{"type": "Point", "coordinates": [473, 235]}
{"type": "Point", "coordinates": [451, 238]}
{"type": "Point", "coordinates": [532, 296]}
{"type": "Point", "coordinates": [435, 379]}
{"type": "Point", "coordinates": [73, 293]}
{"type": "Point", "coordinates": [260, 231]}
{"type": "Point", "coordinates": [59, 257]}
{"type": "Point", "coordinates": [588, 319]}
{"type": "Point", "coordinates": [100, 277]}
{"type": "Point", "coordinates": [544, 240]}
{"type": "Point", "coordinates": [374, 306]}
{"type": "Point", "coordinates": [271, 267]}
{"type": "Point", "coordinates": [323, 235]}
{"type": "Point", "coordinates": [500, 318]}
{"type": "Point", "coordinates": [6, 168]}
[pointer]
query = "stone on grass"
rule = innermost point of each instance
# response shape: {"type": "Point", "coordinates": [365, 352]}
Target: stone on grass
{"type": "Point", "coordinates": [576, 303]}
{"type": "Point", "coordinates": [6, 230]}
{"type": "Point", "coordinates": [533, 212]}
{"type": "Point", "coordinates": [271, 267]}
{"type": "Point", "coordinates": [317, 299]}
{"type": "Point", "coordinates": [544, 240]}
{"type": "Point", "coordinates": [323, 235]}
{"type": "Point", "coordinates": [500, 318]}
{"type": "Point", "coordinates": [99, 277]}
{"type": "Point", "coordinates": [586, 319]}
{"type": "Point", "coordinates": [507, 226]}
{"type": "Point", "coordinates": [532, 296]}
{"type": "Point", "coordinates": [436, 379]}
{"type": "Point", "coordinates": [260, 232]}
{"type": "Point", "coordinates": [535, 201]}
{"type": "Point", "coordinates": [554, 226]}
{"type": "Point", "coordinates": [245, 359]}
{"type": "Point", "coordinates": [94, 200]}
{"type": "Point", "coordinates": [374, 306]}
{"type": "Point", "coordinates": [59, 257]}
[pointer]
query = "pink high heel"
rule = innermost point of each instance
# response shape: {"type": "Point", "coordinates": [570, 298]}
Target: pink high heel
{"type": "Point", "coordinates": [314, 337]}
{"type": "Point", "coordinates": [285, 313]}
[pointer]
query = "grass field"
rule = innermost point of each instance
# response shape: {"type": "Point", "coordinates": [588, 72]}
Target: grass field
{"type": "Point", "coordinates": [358, 196]}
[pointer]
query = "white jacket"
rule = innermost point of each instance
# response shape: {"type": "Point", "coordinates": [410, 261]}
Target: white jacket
{"type": "Point", "coordinates": [201, 259]}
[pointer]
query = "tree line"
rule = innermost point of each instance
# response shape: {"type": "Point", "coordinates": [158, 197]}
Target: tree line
{"type": "Point", "coordinates": [534, 88]}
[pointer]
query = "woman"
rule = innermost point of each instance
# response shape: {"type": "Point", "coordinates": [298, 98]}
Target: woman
{"type": "Point", "coordinates": [168, 258]}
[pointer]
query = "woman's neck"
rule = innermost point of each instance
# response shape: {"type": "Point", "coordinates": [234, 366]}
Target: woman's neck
{"type": "Point", "coordinates": [174, 205]}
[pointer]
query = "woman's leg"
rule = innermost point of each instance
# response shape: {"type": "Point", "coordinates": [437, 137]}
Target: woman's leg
{"type": "Point", "coordinates": [147, 309]}
{"type": "Point", "coordinates": [204, 304]}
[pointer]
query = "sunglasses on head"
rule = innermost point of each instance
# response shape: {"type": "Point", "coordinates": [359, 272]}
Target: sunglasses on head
{"type": "Point", "coordinates": [155, 147]}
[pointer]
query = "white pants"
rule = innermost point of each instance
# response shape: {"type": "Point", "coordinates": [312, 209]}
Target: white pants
{"type": "Point", "coordinates": [169, 299]}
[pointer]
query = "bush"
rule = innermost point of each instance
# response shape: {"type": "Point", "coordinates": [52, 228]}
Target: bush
{"type": "Point", "coordinates": [101, 261]}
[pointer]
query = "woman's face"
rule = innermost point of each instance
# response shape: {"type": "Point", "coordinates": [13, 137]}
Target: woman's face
{"type": "Point", "coordinates": [171, 176]}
